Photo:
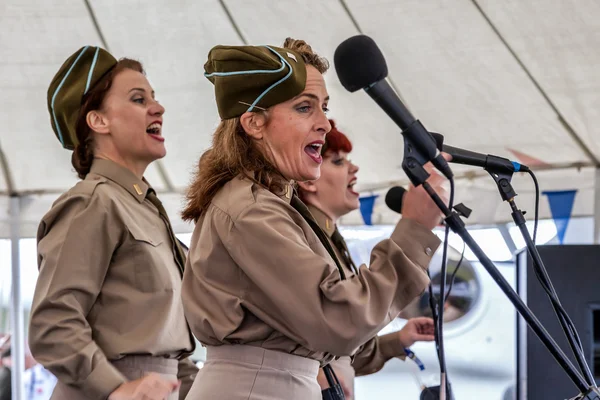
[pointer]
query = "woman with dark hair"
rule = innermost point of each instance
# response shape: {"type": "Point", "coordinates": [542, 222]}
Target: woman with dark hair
{"type": "Point", "coordinates": [107, 318]}
{"type": "Point", "coordinates": [329, 198]}
{"type": "Point", "coordinates": [262, 290]}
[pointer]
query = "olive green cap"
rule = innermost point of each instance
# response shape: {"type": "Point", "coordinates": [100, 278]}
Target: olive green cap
{"type": "Point", "coordinates": [253, 77]}
{"type": "Point", "coordinates": [78, 74]}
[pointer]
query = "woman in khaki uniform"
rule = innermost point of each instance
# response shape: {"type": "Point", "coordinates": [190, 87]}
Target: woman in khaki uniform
{"type": "Point", "coordinates": [329, 198]}
{"type": "Point", "coordinates": [107, 318]}
{"type": "Point", "coordinates": [260, 290]}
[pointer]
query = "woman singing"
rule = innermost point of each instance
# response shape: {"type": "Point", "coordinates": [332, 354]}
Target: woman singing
{"type": "Point", "coordinates": [261, 290]}
{"type": "Point", "coordinates": [107, 318]}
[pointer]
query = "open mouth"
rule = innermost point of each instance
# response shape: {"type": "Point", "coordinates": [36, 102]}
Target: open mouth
{"type": "Point", "coordinates": [314, 151]}
{"type": "Point", "coordinates": [154, 130]}
{"type": "Point", "coordinates": [350, 187]}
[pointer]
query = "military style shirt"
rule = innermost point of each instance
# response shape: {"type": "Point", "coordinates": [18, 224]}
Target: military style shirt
{"type": "Point", "coordinates": [258, 275]}
{"type": "Point", "coordinates": [372, 356]}
{"type": "Point", "coordinates": [109, 285]}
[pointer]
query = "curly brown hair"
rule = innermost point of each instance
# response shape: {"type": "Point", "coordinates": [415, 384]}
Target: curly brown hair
{"type": "Point", "coordinates": [233, 152]}
{"type": "Point", "coordinates": [83, 154]}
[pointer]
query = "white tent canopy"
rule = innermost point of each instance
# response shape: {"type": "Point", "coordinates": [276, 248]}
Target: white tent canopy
{"type": "Point", "coordinates": [515, 78]}
{"type": "Point", "coordinates": [491, 76]}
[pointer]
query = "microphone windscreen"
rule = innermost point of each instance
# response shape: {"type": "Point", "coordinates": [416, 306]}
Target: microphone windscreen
{"type": "Point", "coordinates": [359, 63]}
{"type": "Point", "coordinates": [394, 198]}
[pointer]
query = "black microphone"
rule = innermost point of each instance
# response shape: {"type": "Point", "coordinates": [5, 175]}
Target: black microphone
{"type": "Point", "coordinates": [394, 198]}
{"type": "Point", "coordinates": [487, 161]}
{"type": "Point", "coordinates": [360, 65]}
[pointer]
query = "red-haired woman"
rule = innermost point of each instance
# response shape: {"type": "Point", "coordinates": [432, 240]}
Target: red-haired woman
{"type": "Point", "coordinates": [328, 199]}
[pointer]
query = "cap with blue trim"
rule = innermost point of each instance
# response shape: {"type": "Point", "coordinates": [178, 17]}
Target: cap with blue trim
{"type": "Point", "coordinates": [78, 74]}
{"type": "Point", "coordinates": [247, 78]}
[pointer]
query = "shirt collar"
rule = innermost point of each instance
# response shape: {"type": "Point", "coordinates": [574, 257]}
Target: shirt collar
{"type": "Point", "coordinates": [287, 192]}
{"type": "Point", "coordinates": [322, 219]}
{"type": "Point", "coordinates": [287, 188]}
{"type": "Point", "coordinates": [122, 176]}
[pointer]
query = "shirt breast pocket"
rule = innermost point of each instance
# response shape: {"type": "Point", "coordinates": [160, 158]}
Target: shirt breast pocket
{"type": "Point", "coordinates": [152, 259]}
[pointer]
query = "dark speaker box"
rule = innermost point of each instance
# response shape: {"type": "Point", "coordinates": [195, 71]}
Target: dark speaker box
{"type": "Point", "coordinates": [575, 275]}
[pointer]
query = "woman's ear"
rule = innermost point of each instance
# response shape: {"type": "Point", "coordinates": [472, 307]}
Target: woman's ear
{"type": "Point", "coordinates": [97, 122]}
{"type": "Point", "coordinates": [254, 124]}
{"type": "Point", "coordinates": [308, 186]}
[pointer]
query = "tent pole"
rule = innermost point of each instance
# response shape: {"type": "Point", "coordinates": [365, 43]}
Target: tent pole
{"type": "Point", "coordinates": [16, 311]}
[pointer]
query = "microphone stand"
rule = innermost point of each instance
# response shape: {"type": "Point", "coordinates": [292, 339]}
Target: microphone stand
{"type": "Point", "coordinates": [413, 166]}
{"type": "Point", "coordinates": [502, 177]}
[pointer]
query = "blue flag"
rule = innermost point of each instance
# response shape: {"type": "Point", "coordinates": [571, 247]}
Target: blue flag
{"type": "Point", "coordinates": [366, 208]}
{"type": "Point", "coordinates": [561, 207]}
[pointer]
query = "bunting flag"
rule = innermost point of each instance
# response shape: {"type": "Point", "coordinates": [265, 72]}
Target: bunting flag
{"type": "Point", "coordinates": [528, 160]}
{"type": "Point", "coordinates": [561, 207]}
{"type": "Point", "coordinates": [366, 208]}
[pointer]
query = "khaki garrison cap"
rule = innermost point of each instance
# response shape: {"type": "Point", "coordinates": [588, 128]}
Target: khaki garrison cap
{"type": "Point", "coordinates": [73, 80]}
{"type": "Point", "coordinates": [249, 77]}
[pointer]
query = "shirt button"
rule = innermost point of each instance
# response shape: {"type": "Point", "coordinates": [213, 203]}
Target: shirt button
{"type": "Point", "coordinates": [428, 251]}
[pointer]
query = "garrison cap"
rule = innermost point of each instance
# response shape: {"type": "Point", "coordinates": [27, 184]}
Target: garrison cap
{"type": "Point", "coordinates": [249, 77]}
{"type": "Point", "coordinates": [78, 74]}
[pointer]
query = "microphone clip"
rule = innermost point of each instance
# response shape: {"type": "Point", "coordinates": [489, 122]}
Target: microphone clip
{"type": "Point", "coordinates": [462, 210]}
{"type": "Point", "coordinates": [502, 177]}
{"type": "Point", "coordinates": [419, 149]}
{"type": "Point", "coordinates": [413, 163]}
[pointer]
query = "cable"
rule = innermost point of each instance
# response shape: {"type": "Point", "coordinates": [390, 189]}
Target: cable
{"type": "Point", "coordinates": [547, 286]}
{"type": "Point", "coordinates": [537, 204]}
{"type": "Point", "coordinates": [415, 371]}
{"type": "Point", "coordinates": [460, 260]}
{"type": "Point", "coordinates": [434, 316]}
{"type": "Point", "coordinates": [566, 322]}
{"type": "Point", "coordinates": [444, 382]}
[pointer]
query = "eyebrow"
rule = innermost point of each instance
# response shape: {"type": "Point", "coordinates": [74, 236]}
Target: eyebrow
{"type": "Point", "coordinates": [141, 90]}
{"type": "Point", "coordinates": [312, 96]}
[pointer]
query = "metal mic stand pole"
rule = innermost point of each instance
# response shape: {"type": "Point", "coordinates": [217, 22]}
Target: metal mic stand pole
{"type": "Point", "coordinates": [413, 166]}
{"type": "Point", "coordinates": [591, 394]}
{"type": "Point", "coordinates": [502, 178]}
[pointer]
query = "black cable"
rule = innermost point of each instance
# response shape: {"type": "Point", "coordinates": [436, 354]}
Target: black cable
{"type": "Point", "coordinates": [434, 316]}
{"type": "Point", "coordinates": [537, 204]}
{"type": "Point", "coordinates": [566, 322]}
{"type": "Point", "coordinates": [460, 260]}
{"type": "Point", "coordinates": [559, 309]}
{"type": "Point", "coordinates": [443, 272]}
{"type": "Point", "coordinates": [547, 286]}
{"type": "Point", "coordinates": [443, 370]}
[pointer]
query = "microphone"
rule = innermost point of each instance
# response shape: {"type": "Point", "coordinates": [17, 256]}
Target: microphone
{"type": "Point", "coordinates": [360, 64]}
{"type": "Point", "coordinates": [394, 198]}
{"type": "Point", "coordinates": [487, 161]}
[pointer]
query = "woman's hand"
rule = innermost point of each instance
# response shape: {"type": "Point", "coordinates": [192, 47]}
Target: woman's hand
{"type": "Point", "coordinates": [150, 387]}
{"type": "Point", "coordinates": [419, 329]}
{"type": "Point", "coordinates": [418, 206]}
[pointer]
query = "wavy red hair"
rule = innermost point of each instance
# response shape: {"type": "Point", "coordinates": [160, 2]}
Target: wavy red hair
{"type": "Point", "coordinates": [336, 141]}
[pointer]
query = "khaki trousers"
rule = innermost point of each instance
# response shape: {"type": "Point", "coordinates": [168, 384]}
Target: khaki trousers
{"type": "Point", "coordinates": [133, 367]}
{"type": "Point", "coordinates": [253, 373]}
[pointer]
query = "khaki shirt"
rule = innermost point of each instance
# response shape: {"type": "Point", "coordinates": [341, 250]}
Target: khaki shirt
{"type": "Point", "coordinates": [108, 286]}
{"type": "Point", "coordinates": [372, 356]}
{"type": "Point", "coordinates": [258, 275]}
